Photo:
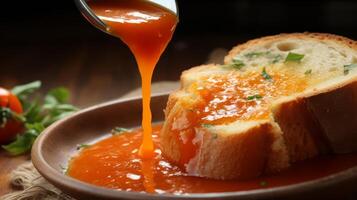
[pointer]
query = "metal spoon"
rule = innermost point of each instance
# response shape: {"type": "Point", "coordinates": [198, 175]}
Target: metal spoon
{"type": "Point", "coordinates": [98, 23]}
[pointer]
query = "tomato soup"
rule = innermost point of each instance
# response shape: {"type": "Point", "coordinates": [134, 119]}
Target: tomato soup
{"type": "Point", "coordinates": [114, 163]}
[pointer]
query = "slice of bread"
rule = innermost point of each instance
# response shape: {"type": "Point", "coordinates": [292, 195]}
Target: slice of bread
{"type": "Point", "coordinates": [277, 100]}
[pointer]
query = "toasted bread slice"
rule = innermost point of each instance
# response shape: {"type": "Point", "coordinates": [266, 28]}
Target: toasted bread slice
{"type": "Point", "coordinates": [277, 100]}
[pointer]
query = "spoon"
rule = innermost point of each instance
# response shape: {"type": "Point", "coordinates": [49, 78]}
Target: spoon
{"type": "Point", "coordinates": [98, 23]}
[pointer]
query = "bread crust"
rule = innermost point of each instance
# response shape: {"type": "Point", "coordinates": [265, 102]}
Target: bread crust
{"type": "Point", "coordinates": [301, 127]}
{"type": "Point", "coordinates": [306, 36]}
{"type": "Point", "coordinates": [328, 117]}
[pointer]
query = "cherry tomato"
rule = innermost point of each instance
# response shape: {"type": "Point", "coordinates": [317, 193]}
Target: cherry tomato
{"type": "Point", "coordinates": [12, 126]}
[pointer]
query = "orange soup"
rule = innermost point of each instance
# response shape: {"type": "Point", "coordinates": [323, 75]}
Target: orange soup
{"type": "Point", "coordinates": [114, 163]}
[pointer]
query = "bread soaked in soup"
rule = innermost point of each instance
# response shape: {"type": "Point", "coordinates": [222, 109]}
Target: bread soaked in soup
{"type": "Point", "coordinates": [265, 108]}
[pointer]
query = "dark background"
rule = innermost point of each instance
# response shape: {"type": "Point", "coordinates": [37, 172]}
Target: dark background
{"type": "Point", "coordinates": [52, 42]}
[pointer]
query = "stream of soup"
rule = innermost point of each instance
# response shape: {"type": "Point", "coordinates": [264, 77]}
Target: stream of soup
{"type": "Point", "coordinates": [147, 29]}
{"type": "Point", "coordinates": [114, 163]}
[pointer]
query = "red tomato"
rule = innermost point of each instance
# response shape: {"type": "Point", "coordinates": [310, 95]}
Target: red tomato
{"type": "Point", "coordinates": [12, 127]}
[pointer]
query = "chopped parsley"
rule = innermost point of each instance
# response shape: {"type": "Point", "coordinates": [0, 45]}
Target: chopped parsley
{"type": "Point", "coordinates": [307, 72]}
{"type": "Point", "coordinates": [254, 97]}
{"type": "Point", "coordinates": [206, 125]}
{"type": "Point", "coordinates": [255, 54]}
{"type": "Point", "coordinates": [236, 64]}
{"type": "Point", "coordinates": [265, 75]}
{"type": "Point", "coordinates": [64, 169]}
{"type": "Point", "coordinates": [276, 58]}
{"type": "Point", "coordinates": [347, 68]}
{"type": "Point", "coordinates": [82, 146]}
{"type": "Point", "coordinates": [119, 130]}
{"type": "Point", "coordinates": [294, 57]}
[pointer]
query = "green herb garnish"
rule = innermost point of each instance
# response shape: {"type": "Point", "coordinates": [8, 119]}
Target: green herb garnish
{"type": "Point", "coordinates": [23, 91]}
{"type": "Point", "coordinates": [119, 130]}
{"type": "Point", "coordinates": [347, 68]}
{"type": "Point", "coordinates": [294, 57]}
{"type": "Point", "coordinates": [236, 64]}
{"type": "Point", "coordinates": [82, 146]}
{"type": "Point", "coordinates": [6, 114]}
{"type": "Point", "coordinates": [206, 125]}
{"type": "Point", "coordinates": [64, 169]}
{"type": "Point", "coordinates": [255, 54]}
{"type": "Point", "coordinates": [265, 75]}
{"type": "Point", "coordinates": [254, 97]}
{"type": "Point", "coordinates": [276, 58]}
{"type": "Point", "coordinates": [23, 142]}
{"type": "Point", "coordinates": [38, 114]}
{"type": "Point", "coordinates": [307, 72]}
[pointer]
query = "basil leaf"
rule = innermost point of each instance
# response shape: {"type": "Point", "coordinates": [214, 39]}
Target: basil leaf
{"type": "Point", "coordinates": [38, 127]}
{"type": "Point", "coordinates": [347, 68]}
{"type": "Point", "coordinates": [23, 143]}
{"type": "Point", "coordinates": [53, 117]}
{"type": "Point", "coordinates": [265, 75]}
{"type": "Point", "coordinates": [37, 114]}
{"type": "Point", "coordinates": [294, 57]}
{"type": "Point", "coordinates": [57, 95]}
{"type": "Point", "coordinates": [55, 106]}
{"type": "Point", "coordinates": [32, 114]}
{"type": "Point", "coordinates": [23, 91]}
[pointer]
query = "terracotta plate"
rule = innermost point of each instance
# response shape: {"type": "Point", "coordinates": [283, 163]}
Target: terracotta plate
{"type": "Point", "coordinates": [58, 142]}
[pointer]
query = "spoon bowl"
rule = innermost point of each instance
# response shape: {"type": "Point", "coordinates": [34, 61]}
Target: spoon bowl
{"type": "Point", "coordinates": [87, 12]}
